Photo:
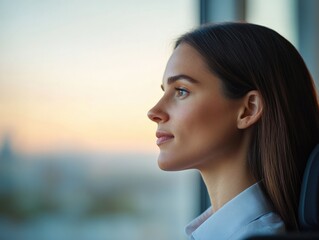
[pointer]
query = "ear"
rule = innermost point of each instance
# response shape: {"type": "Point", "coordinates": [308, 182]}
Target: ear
{"type": "Point", "coordinates": [251, 110]}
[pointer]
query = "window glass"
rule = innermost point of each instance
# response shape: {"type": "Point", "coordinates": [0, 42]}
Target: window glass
{"type": "Point", "coordinates": [279, 15]}
{"type": "Point", "coordinates": [77, 153]}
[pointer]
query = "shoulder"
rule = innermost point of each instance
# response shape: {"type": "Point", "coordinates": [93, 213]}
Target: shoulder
{"type": "Point", "coordinates": [268, 224]}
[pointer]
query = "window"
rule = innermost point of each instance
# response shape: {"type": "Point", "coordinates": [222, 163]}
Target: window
{"type": "Point", "coordinates": [78, 157]}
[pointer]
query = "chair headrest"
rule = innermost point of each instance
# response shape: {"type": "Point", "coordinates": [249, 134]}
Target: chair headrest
{"type": "Point", "coordinates": [309, 196]}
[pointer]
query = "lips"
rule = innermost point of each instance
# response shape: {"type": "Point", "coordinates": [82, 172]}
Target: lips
{"type": "Point", "coordinates": [163, 137]}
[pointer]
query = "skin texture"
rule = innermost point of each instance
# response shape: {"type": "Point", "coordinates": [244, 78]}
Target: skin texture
{"type": "Point", "coordinates": [200, 128]}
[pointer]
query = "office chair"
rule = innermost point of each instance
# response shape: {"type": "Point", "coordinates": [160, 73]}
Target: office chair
{"type": "Point", "coordinates": [308, 212]}
{"type": "Point", "coordinates": [309, 196]}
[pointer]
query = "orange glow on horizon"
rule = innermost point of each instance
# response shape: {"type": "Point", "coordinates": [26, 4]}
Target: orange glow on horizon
{"type": "Point", "coordinates": [83, 76]}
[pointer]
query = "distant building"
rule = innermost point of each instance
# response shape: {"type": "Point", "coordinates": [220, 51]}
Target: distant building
{"type": "Point", "coordinates": [6, 152]}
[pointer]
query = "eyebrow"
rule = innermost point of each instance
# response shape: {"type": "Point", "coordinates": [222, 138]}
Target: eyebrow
{"type": "Point", "coordinates": [175, 78]}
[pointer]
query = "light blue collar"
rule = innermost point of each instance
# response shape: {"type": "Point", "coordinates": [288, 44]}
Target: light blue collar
{"type": "Point", "coordinates": [246, 207]}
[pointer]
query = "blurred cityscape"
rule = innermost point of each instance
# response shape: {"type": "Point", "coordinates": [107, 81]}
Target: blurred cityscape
{"type": "Point", "coordinates": [74, 195]}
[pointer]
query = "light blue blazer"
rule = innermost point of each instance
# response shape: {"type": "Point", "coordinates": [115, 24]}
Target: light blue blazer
{"type": "Point", "coordinates": [249, 213]}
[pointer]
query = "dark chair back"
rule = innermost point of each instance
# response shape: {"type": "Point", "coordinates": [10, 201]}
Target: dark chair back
{"type": "Point", "coordinates": [309, 197]}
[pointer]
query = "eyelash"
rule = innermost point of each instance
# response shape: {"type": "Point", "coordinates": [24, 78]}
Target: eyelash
{"type": "Point", "coordinates": [184, 92]}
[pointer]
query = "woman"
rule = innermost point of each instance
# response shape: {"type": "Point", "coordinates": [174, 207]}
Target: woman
{"type": "Point", "coordinates": [240, 106]}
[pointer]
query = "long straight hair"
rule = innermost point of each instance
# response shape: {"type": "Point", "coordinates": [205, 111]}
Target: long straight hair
{"type": "Point", "coordinates": [249, 57]}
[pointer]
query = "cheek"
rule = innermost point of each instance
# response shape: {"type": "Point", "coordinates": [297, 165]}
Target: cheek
{"type": "Point", "coordinates": [208, 116]}
{"type": "Point", "coordinates": [209, 127]}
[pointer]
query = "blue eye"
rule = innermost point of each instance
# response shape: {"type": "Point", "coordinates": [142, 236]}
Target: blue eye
{"type": "Point", "coordinates": [180, 92]}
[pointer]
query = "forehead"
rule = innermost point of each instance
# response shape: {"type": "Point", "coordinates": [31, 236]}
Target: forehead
{"type": "Point", "coordinates": [185, 60]}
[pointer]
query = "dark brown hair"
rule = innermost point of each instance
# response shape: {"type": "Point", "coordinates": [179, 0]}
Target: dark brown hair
{"type": "Point", "coordinates": [249, 57]}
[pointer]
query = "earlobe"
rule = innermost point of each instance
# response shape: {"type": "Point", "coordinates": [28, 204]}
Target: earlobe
{"type": "Point", "coordinates": [251, 109]}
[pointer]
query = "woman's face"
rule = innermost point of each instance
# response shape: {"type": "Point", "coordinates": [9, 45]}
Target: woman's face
{"type": "Point", "coordinates": [197, 124]}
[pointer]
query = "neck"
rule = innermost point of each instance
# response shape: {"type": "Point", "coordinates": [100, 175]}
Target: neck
{"type": "Point", "coordinates": [227, 177]}
{"type": "Point", "coordinates": [222, 189]}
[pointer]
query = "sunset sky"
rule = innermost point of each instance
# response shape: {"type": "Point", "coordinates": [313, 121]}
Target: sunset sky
{"type": "Point", "coordinates": [79, 74]}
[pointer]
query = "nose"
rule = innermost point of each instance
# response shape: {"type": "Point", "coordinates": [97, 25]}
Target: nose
{"type": "Point", "coordinates": [157, 115]}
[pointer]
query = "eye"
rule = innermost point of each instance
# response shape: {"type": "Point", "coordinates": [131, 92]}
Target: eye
{"type": "Point", "coordinates": [181, 92]}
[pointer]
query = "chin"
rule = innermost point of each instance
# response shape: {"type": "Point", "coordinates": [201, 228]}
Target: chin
{"type": "Point", "coordinates": [165, 166]}
{"type": "Point", "coordinates": [169, 165]}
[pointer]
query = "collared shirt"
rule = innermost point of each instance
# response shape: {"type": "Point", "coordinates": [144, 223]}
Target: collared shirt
{"type": "Point", "coordinates": [249, 213]}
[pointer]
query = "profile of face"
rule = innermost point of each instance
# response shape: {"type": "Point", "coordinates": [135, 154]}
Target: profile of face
{"type": "Point", "coordinates": [198, 126]}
